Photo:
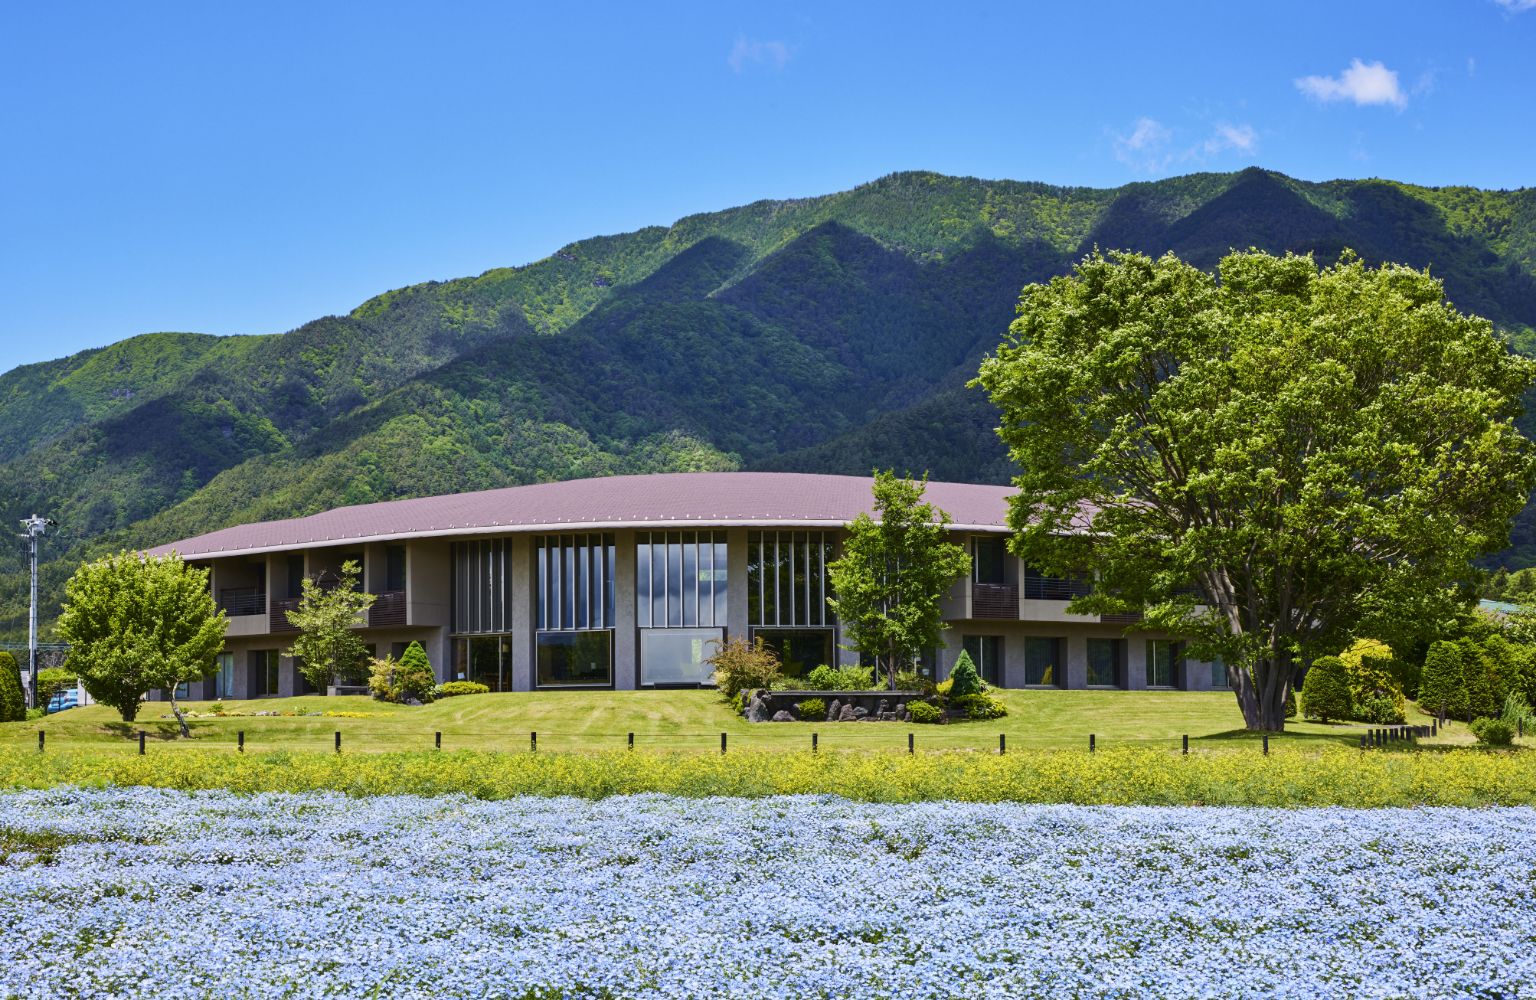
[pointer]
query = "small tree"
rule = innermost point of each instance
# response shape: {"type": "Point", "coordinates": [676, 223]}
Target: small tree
{"type": "Point", "coordinates": [740, 666]}
{"type": "Point", "coordinates": [414, 677]}
{"type": "Point", "coordinates": [135, 623]}
{"type": "Point", "coordinates": [1442, 690]}
{"type": "Point", "coordinates": [13, 704]}
{"type": "Point", "coordinates": [893, 573]}
{"type": "Point", "coordinates": [964, 679]}
{"type": "Point", "coordinates": [1325, 692]}
{"type": "Point", "coordinates": [327, 618]}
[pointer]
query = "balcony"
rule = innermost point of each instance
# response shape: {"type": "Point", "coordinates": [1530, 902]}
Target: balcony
{"type": "Point", "coordinates": [994, 600]}
{"type": "Point", "coordinates": [278, 622]}
{"type": "Point", "coordinates": [388, 610]}
{"type": "Point", "coordinates": [237, 601]}
{"type": "Point", "coordinates": [1053, 588]}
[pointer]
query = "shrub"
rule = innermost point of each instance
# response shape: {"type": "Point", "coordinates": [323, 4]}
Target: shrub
{"type": "Point", "coordinates": [217, 708]}
{"type": "Point", "coordinates": [1371, 680]}
{"type": "Point", "coordinates": [1325, 692]}
{"type": "Point", "coordinates": [925, 713]}
{"type": "Point", "coordinates": [13, 703]}
{"type": "Point", "coordinates": [963, 679]}
{"type": "Point", "coordinates": [1379, 710]}
{"type": "Point", "coordinates": [414, 677]}
{"type": "Point", "coordinates": [1290, 704]}
{"type": "Point", "coordinates": [1493, 732]}
{"type": "Point", "coordinates": [979, 706]}
{"type": "Point", "coordinates": [942, 688]}
{"type": "Point", "coordinates": [53, 680]}
{"type": "Point", "coordinates": [1517, 711]}
{"type": "Point", "coordinates": [812, 710]}
{"type": "Point", "coordinates": [381, 678]}
{"type": "Point", "coordinates": [1441, 688]}
{"type": "Point", "coordinates": [36, 713]}
{"type": "Point", "coordinates": [911, 680]}
{"type": "Point", "coordinates": [854, 678]}
{"type": "Point", "coordinates": [740, 665]}
{"type": "Point", "coordinates": [452, 689]}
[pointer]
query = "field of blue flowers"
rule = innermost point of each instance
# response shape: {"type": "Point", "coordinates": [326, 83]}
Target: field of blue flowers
{"type": "Point", "coordinates": [139, 891]}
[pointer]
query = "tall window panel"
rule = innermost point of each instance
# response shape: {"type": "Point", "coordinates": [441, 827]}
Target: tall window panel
{"type": "Point", "coordinates": [1104, 659]}
{"type": "Point", "coordinates": [680, 579]}
{"type": "Point", "coordinates": [986, 653]}
{"type": "Point", "coordinates": [1163, 658]}
{"type": "Point", "coordinates": [482, 586]}
{"type": "Point", "coordinates": [574, 581]}
{"type": "Point", "coordinates": [787, 578]}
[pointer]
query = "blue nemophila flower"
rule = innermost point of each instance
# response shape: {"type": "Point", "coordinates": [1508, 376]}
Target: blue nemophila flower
{"type": "Point", "coordinates": [214, 894]}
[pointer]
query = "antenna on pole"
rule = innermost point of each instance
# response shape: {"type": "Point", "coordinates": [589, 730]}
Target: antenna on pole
{"type": "Point", "coordinates": [35, 527]}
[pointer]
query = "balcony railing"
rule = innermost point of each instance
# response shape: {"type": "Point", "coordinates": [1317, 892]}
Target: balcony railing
{"type": "Point", "coordinates": [278, 622]}
{"type": "Point", "coordinates": [994, 600]}
{"type": "Point", "coordinates": [388, 609]}
{"type": "Point", "coordinates": [1054, 588]}
{"type": "Point", "coordinates": [243, 600]}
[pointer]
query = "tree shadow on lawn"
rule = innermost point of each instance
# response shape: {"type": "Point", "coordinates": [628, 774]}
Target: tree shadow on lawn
{"type": "Point", "coordinates": [158, 730]}
{"type": "Point", "coordinates": [1348, 736]}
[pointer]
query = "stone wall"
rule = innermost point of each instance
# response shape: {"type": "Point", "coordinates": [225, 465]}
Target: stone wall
{"type": "Point", "coordinates": [842, 706]}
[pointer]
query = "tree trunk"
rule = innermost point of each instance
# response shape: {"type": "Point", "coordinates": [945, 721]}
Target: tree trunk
{"type": "Point", "coordinates": [1261, 694]}
{"type": "Point", "coordinates": [181, 719]}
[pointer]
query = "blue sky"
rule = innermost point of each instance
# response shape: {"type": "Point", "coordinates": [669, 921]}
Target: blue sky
{"type": "Point", "coordinates": [243, 169]}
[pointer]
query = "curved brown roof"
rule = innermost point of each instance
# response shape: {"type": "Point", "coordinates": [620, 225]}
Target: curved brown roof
{"type": "Point", "coordinates": [664, 500]}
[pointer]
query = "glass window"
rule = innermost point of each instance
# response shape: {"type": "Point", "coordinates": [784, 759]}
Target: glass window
{"type": "Point", "coordinates": [787, 578]}
{"type": "Point", "coordinates": [183, 690]}
{"type": "Point", "coordinates": [296, 575]}
{"type": "Point", "coordinates": [1162, 657]}
{"type": "Point", "coordinates": [264, 667]}
{"type": "Point", "coordinates": [1219, 678]}
{"type": "Point", "coordinates": [799, 650]}
{"type": "Point", "coordinates": [224, 676]}
{"type": "Point", "coordinates": [677, 656]}
{"type": "Point", "coordinates": [988, 559]}
{"type": "Point", "coordinates": [1042, 661]}
{"type": "Point", "coordinates": [680, 579]}
{"type": "Point", "coordinates": [482, 585]}
{"type": "Point", "coordinates": [574, 578]}
{"type": "Point", "coordinates": [394, 568]}
{"type": "Point", "coordinates": [987, 653]}
{"type": "Point", "coordinates": [1104, 658]}
{"type": "Point", "coordinates": [575, 659]}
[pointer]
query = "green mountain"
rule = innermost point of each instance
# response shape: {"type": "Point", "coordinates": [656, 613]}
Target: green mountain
{"type": "Point", "coordinates": [828, 334]}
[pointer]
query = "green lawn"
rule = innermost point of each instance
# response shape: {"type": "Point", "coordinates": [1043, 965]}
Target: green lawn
{"type": "Point", "coordinates": [669, 720]}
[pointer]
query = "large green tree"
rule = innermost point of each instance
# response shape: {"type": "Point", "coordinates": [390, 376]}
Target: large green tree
{"type": "Point", "coordinates": [135, 623]}
{"type": "Point", "coordinates": [893, 573]}
{"type": "Point", "coordinates": [328, 645]}
{"type": "Point", "coordinates": [1268, 460]}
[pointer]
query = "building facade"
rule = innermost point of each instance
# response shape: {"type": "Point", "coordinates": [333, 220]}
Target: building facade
{"type": "Point", "coordinates": [630, 582]}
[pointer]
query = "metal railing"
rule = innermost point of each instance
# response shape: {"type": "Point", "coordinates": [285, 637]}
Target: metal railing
{"type": "Point", "coordinates": [243, 600]}
{"type": "Point", "coordinates": [994, 600]}
{"type": "Point", "coordinates": [278, 620]}
{"type": "Point", "coordinates": [1054, 588]}
{"type": "Point", "coordinates": [388, 609]}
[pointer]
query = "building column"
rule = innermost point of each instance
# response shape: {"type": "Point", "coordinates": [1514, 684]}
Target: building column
{"type": "Point", "coordinates": [523, 623]}
{"type": "Point", "coordinates": [1013, 660]}
{"type": "Point", "coordinates": [1076, 653]}
{"type": "Point", "coordinates": [1136, 662]}
{"type": "Point", "coordinates": [626, 640]}
{"type": "Point", "coordinates": [737, 625]}
{"type": "Point", "coordinates": [287, 677]}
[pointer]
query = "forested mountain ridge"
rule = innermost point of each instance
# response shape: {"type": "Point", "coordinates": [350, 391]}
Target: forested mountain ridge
{"type": "Point", "coordinates": [828, 334]}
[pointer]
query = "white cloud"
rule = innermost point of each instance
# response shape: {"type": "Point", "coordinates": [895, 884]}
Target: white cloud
{"type": "Point", "coordinates": [1364, 83]}
{"type": "Point", "coordinates": [750, 52]}
{"type": "Point", "coordinates": [1238, 138]}
{"type": "Point", "coordinates": [1517, 6]}
{"type": "Point", "coordinates": [1146, 147]}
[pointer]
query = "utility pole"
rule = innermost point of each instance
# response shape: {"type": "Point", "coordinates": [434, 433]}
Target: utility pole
{"type": "Point", "coordinates": [35, 526]}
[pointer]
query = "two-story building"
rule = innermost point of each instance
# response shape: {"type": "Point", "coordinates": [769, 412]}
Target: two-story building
{"type": "Point", "coordinates": [630, 582]}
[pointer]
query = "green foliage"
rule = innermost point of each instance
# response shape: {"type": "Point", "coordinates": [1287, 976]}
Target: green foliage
{"type": "Point", "coordinates": [1338, 437]}
{"type": "Point", "coordinates": [13, 703]}
{"type": "Point", "coordinates": [1374, 691]}
{"type": "Point", "coordinates": [811, 710]}
{"type": "Point", "coordinates": [1517, 711]}
{"type": "Point", "coordinates": [1325, 693]}
{"type": "Point", "coordinates": [135, 624]}
{"type": "Point", "coordinates": [892, 574]}
{"type": "Point", "coordinates": [1493, 732]}
{"type": "Point", "coordinates": [1379, 710]}
{"type": "Point", "coordinates": [381, 678]}
{"type": "Point", "coordinates": [978, 706]}
{"type": "Point", "coordinates": [963, 679]}
{"type": "Point", "coordinates": [329, 646]}
{"type": "Point", "coordinates": [1290, 704]}
{"type": "Point", "coordinates": [911, 680]}
{"type": "Point", "coordinates": [742, 666]}
{"type": "Point", "coordinates": [452, 689]}
{"type": "Point", "coordinates": [849, 678]}
{"type": "Point", "coordinates": [925, 713]}
{"type": "Point", "coordinates": [415, 677]}
{"type": "Point", "coordinates": [1443, 690]}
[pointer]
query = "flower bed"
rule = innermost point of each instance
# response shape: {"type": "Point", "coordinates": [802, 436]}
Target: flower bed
{"type": "Point", "coordinates": [154, 892]}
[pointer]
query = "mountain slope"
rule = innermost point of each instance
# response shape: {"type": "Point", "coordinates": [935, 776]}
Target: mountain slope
{"type": "Point", "coordinates": [828, 334]}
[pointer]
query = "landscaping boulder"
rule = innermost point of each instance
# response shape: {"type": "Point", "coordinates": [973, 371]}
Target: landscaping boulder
{"type": "Point", "coordinates": [783, 716]}
{"type": "Point", "coordinates": [758, 707]}
{"type": "Point", "coordinates": [834, 710]}
{"type": "Point", "coordinates": [847, 714]}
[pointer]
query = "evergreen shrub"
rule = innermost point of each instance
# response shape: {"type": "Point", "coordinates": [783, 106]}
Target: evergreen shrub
{"type": "Point", "coordinates": [925, 713]}
{"type": "Point", "coordinates": [963, 679]}
{"type": "Point", "coordinates": [1441, 688]}
{"type": "Point", "coordinates": [13, 703]}
{"type": "Point", "coordinates": [1325, 692]}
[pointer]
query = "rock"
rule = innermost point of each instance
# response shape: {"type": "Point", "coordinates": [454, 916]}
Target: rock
{"type": "Point", "coordinates": [783, 716]}
{"type": "Point", "coordinates": [860, 712]}
{"type": "Point", "coordinates": [834, 710]}
{"type": "Point", "coordinates": [412, 701]}
{"type": "Point", "coordinates": [902, 715]}
{"type": "Point", "coordinates": [758, 707]}
{"type": "Point", "coordinates": [848, 714]}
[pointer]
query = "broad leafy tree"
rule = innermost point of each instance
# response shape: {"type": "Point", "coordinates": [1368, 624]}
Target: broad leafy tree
{"type": "Point", "coordinates": [1270, 461]}
{"type": "Point", "coordinates": [327, 618]}
{"type": "Point", "coordinates": [893, 573]}
{"type": "Point", "coordinates": [135, 623]}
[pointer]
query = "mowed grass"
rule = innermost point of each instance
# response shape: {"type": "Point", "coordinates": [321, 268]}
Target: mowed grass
{"type": "Point", "coordinates": [596, 721]}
